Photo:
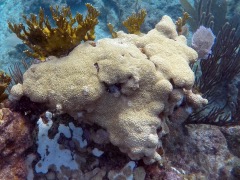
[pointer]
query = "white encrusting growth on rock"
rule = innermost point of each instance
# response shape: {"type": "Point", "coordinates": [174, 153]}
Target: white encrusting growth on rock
{"type": "Point", "coordinates": [49, 149]}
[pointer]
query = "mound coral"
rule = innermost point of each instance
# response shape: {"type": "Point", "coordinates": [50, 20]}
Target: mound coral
{"type": "Point", "coordinates": [128, 85]}
{"type": "Point", "coordinates": [46, 41]}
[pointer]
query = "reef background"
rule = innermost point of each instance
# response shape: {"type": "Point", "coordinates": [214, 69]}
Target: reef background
{"type": "Point", "coordinates": [218, 145]}
{"type": "Point", "coordinates": [113, 11]}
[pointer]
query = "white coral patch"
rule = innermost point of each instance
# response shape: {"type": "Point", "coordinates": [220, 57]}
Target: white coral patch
{"type": "Point", "coordinates": [49, 149]}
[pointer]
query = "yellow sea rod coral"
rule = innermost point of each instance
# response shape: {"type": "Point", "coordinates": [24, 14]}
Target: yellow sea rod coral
{"type": "Point", "coordinates": [113, 33]}
{"type": "Point", "coordinates": [58, 41]}
{"type": "Point", "coordinates": [181, 22]}
{"type": "Point", "coordinates": [134, 22]}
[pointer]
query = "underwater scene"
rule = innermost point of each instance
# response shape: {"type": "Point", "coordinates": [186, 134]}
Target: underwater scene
{"type": "Point", "coordinates": [120, 90]}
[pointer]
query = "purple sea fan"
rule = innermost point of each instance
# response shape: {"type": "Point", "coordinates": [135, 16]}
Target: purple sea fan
{"type": "Point", "coordinates": [202, 41]}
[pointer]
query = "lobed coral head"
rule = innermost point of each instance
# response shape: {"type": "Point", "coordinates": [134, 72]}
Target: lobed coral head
{"type": "Point", "coordinates": [128, 85]}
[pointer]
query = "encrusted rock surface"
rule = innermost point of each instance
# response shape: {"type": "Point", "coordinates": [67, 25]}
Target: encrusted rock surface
{"type": "Point", "coordinates": [15, 139]}
{"type": "Point", "coordinates": [232, 135]}
{"type": "Point", "coordinates": [199, 151]}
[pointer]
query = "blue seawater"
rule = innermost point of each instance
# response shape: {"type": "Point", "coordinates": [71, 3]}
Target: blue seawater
{"type": "Point", "coordinates": [114, 11]}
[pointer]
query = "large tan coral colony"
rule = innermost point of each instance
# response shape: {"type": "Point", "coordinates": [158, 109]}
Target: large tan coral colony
{"type": "Point", "coordinates": [127, 85]}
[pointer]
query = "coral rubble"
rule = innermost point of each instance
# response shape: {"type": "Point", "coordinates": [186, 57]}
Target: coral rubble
{"type": "Point", "coordinates": [128, 85]}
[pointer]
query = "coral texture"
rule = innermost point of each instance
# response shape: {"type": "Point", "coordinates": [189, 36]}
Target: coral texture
{"type": "Point", "coordinates": [15, 139]}
{"type": "Point", "coordinates": [127, 85]}
{"type": "Point", "coordinates": [201, 151]}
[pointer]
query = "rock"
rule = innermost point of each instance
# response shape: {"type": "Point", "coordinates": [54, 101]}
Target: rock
{"type": "Point", "coordinates": [15, 139]}
{"type": "Point", "coordinates": [139, 173]}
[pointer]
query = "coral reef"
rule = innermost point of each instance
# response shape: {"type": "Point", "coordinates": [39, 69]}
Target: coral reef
{"type": "Point", "coordinates": [199, 154]}
{"type": "Point", "coordinates": [45, 40]}
{"type": "Point", "coordinates": [113, 11]}
{"type": "Point", "coordinates": [132, 99]}
{"type": "Point", "coordinates": [63, 151]}
{"type": "Point", "coordinates": [200, 149]}
{"type": "Point", "coordinates": [116, 11]}
{"type": "Point", "coordinates": [128, 85]}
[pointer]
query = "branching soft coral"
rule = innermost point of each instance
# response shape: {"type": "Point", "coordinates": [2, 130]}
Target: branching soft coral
{"type": "Point", "coordinates": [218, 72]}
{"type": "Point", "coordinates": [181, 22]}
{"type": "Point", "coordinates": [134, 22]}
{"type": "Point", "coordinates": [46, 41]}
